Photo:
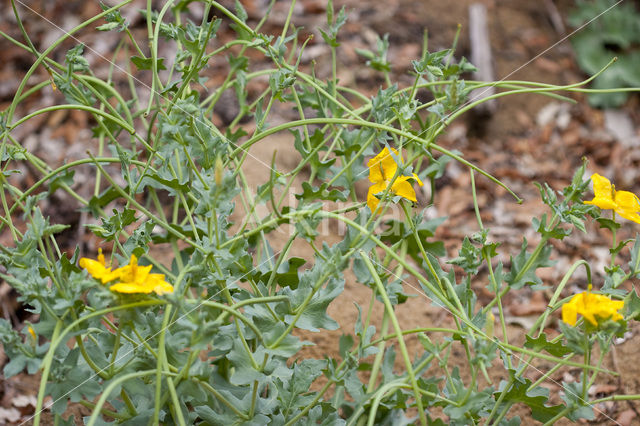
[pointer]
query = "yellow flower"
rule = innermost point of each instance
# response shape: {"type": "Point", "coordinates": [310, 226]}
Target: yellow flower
{"type": "Point", "coordinates": [137, 279]}
{"type": "Point", "coordinates": [382, 168]}
{"type": "Point", "coordinates": [32, 332]}
{"type": "Point", "coordinates": [625, 203]}
{"type": "Point", "coordinates": [97, 268]}
{"type": "Point", "coordinates": [132, 277]}
{"type": "Point", "coordinates": [592, 307]}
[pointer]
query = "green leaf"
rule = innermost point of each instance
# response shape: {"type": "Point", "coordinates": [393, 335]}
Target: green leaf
{"type": "Point", "coordinates": [312, 193]}
{"type": "Point", "coordinates": [364, 336]}
{"type": "Point", "coordinates": [164, 180]}
{"type": "Point", "coordinates": [399, 230]}
{"type": "Point", "coordinates": [54, 229]}
{"type": "Point", "coordinates": [432, 64]}
{"type": "Point", "coordinates": [285, 276]}
{"type": "Point", "coordinates": [76, 383]}
{"type": "Point", "coordinates": [377, 60]}
{"type": "Point", "coordinates": [114, 224]}
{"type": "Point", "coordinates": [311, 152]}
{"type": "Point", "coordinates": [12, 152]}
{"type": "Point", "coordinates": [580, 408]}
{"type": "Point", "coordinates": [315, 315]}
{"type": "Point", "coordinates": [331, 36]}
{"type": "Point", "coordinates": [540, 225]}
{"type": "Point", "coordinates": [15, 366]}
{"type": "Point", "coordinates": [294, 393]}
{"type": "Point", "coordinates": [632, 306]}
{"type": "Point", "coordinates": [317, 288]}
{"type": "Point", "coordinates": [608, 224]}
{"type": "Point", "coordinates": [614, 277]}
{"type": "Point", "coordinates": [387, 364]}
{"type": "Point", "coordinates": [469, 257]}
{"type": "Point", "coordinates": [114, 20]}
{"type": "Point", "coordinates": [541, 343]}
{"type": "Point", "coordinates": [575, 340]}
{"type": "Point", "coordinates": [634, 263]}
{"type": "Point", "coordinates": [535, 399]}
{"type": "Point", "coordinates": [147, 63]}
{"type": "Point", "coordinates": [519, 276]}
{"type": "Point", "coordinates": [108, 26]}
{"type": "Point", "coordinates": [60, 180]}
{"type": "Point", "coordinates": [469, 405]}
{"type": "Point", "coordinates": [138, 242]}
{"type": "Point", "coordinates": [244, 371]}
{"type": "Point", "coordinates": [75, 61]}
{"type": "Point", "coordinates": [241, 13]}
{"type": "Point", "coordinates": [345, 344]}
{"type": "Point", "coordinates": [613, 34]}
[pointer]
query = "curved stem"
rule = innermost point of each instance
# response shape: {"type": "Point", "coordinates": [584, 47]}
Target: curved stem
{"type": "Point", "coordinates": [116, 382]}
{"type": "Point", "coordinates": [396, 325]}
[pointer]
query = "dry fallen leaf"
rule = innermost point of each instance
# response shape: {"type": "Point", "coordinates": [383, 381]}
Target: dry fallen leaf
{"type": "Point", "coordinates": [602, 389]}
{"type": "Point", "coordinates": [9, 415]}
{"type": "Point", "coordinates": [625, 418]}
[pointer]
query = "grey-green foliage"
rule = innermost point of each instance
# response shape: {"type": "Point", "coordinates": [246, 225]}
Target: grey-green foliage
{"type": "Point", "coordinates": [611, 29]}
{"type": "Point", "coordinates": [228, 345]}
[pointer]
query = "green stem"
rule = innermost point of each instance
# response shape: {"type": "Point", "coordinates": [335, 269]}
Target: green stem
{"type": "Point", "coordinates": [115, 383]}
{"type": "Point", "coordinates": [159, 364]}
{"type": "Point", "coordinates": [409, 136]}
{"type": "Point", "coordinates": [106, 412]}
{"type": "Point", "coordinates": [396, 326]}
{"type": "Point", "coordinates": [58, 337]}
{"type": "Point", "coordinates": [51, 48]}
{"type": "Point", "coordinates": [384, 328]}
{"type": "Point", "coordinates": [78, 107]}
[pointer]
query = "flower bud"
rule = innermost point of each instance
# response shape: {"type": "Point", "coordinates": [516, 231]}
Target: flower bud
{"type": "Point", "coordinates": [490, 322]}
{"type": "Point", "coordinates": [219, 171]}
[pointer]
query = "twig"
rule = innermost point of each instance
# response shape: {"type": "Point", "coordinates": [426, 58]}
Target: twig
{"type": "Point", "coordinates": [481, 56]}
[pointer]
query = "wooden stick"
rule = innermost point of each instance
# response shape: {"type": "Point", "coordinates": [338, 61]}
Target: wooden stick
{"type": "Point", "coordinates": [481, 56]}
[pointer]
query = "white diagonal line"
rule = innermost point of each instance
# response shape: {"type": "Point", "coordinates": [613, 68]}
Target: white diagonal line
{"type": "Point", "coordinates": [142, 83]}
{"type": "Point", "coordinates": [268, 166]}
{"type": "Point", "coordinates": [487, 88]}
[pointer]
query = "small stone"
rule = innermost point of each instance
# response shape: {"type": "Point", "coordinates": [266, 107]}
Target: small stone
{"type": "Point", "coordinates": [619, 125]}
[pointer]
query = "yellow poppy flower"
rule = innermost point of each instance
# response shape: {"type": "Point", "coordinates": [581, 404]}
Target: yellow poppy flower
{"type": "Point", "coordinates": [625, 203]}
{"type": "Point", "coordinates": [132, 277]}
{"type": "Point", "coordinates": [137, 279]}
{"type": "Point", "coordinates": [592, 307]}
{"type": "Point", "coordinates": [382, 168]}
{"type": "Point", "coordinates": [97, 268]}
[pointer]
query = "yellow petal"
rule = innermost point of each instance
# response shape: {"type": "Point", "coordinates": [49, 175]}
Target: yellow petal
{"type": "Point", "coordinates": [603, 203]}
{"type": "Point", "coordinates": [570, 311]}
{"type": "Point", "coordinates": [130, 288]}
{"type": "Point", "coordinates": [404, 189]}
{"type": "Point", "coordinates": [606, 308]}
{"type": "Point", "coordinates": [372, 200]}
{"type": "Point", "coordinates": [133, 273]}
{"type": "Point", "coordinates": [627, 200]}
{"type": "Point", "coordinates": [592, 307]}
{"type": "Point", "coordinates": [602, 187]}
{"type": "Point", "coordinates": [158, 284]}
{"type": "Point", "coordinates": [97, 270]}
{"type": "Point", "coordinates": [382, 167]}
{"type": "Point", "coordinates": [627, 205]}
{"type": "Point", "coordinates": [603, 191]}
